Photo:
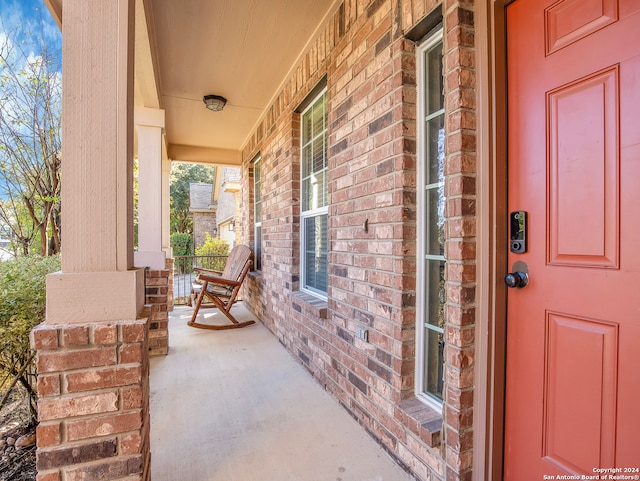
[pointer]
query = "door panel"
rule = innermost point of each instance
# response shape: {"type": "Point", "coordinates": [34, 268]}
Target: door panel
{"type": "Point", "coordinates": [582, 129]}
{"type": "Point", "coordinates": [573, 333]}
{"type": "Point", "coordinates": [581, 359]}
{"type": "Point", "coordinates": [571, 20]}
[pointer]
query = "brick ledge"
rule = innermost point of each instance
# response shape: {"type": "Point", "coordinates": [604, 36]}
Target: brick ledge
{"type": "Point", "coordinates": [308, 304]}
{"type": "Point", "coordinates": [421, 419]}
{"type": "Point", "coordinates": [257, 275]}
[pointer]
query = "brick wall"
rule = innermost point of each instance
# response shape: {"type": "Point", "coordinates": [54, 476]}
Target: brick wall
{"type": "Point", "coordinates": [460, 247]}
{"type": "Point", "coordinates": [93, 388]}
{"type": "Point", "coordinates": [157, 286]}
{"type": "Point", "coordinates": [169, 265]}
{"type": "Point", "coordinates": [370, 72]}
{"type": "Point", "coordinates": [203, 222]}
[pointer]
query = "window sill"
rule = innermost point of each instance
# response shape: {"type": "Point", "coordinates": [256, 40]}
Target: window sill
{"type": "Point", "coordinates": [256, 275]}
{"type": "Point", "coordinates": [423, 420]}
{"type": "Point", "coordinates": [309, 305]}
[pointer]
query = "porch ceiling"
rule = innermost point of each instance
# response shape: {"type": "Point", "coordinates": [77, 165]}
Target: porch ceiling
{"type": "Point", "coordinates": [240, 49]}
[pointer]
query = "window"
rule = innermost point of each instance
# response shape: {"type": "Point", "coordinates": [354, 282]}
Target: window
{"type": "Point", "coordinates": [257, 214]}
{"type": "Point", "coordinates": [314, 212]}
{"type": "Point", "coordinates": [431, 201]}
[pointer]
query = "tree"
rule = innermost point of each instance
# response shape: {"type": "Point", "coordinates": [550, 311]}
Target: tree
{"type": "Point", "coordinates": [182, 175]}
{"type": "Point", "coordinates": [30, 141]}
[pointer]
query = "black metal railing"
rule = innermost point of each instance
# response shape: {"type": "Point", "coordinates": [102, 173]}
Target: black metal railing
{"type": "Point", "coordinates": [184, 274]}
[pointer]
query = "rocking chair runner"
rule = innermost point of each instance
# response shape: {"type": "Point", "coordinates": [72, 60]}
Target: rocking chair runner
{"type": "Point", "coordinates": [222, 289]}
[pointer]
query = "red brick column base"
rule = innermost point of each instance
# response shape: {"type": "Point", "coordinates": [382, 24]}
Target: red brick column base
{"type": "Point", "coordinates": [93, 407]}
{"type": "Point", "coordinates": [169, 266]}
{"type": "Point", "coordinates": [156, 300]}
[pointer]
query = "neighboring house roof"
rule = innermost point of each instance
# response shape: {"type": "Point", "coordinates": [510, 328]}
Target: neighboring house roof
{"type": "Point", "coordinates": [200, 197]}
{"type": "Point", "coordinates": [5, 254]}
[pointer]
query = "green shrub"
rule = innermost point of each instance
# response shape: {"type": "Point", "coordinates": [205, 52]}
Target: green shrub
{"type": "Point", "coordinates": [181, 244]}
{"type": "Point", "coordinates": [22, 307]}
{"type": "Point", "coordinates": [219, 248]}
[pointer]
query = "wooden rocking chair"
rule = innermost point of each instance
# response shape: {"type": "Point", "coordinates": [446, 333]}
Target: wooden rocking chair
{"type": "Point", "coordinates": [221, 290]}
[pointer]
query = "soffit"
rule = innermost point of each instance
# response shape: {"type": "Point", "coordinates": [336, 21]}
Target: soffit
{"type": "Point", "coordinates": [241, 49]}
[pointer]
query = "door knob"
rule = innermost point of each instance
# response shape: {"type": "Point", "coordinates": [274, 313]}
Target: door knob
{"type": "Point", "coordinates": [516, 279]}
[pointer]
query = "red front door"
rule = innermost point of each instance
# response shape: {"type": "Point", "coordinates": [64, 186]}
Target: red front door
{"type": "Point", "coordinates": [573, 333]}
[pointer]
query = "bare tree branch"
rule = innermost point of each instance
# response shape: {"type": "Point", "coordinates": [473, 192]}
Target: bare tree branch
{"type": "Point", "coordinates": [30, 143]}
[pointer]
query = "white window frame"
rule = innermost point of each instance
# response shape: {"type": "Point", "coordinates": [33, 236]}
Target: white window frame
{"type": "Point", "coordinates": [257, 223]}
{"type": "Point", "coordinates": [421, 302]}
{"type": "Point", "coordinates": [308, 214]}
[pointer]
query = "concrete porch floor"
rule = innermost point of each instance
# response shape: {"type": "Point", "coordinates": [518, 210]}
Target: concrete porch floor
{"type": "Point", "coordinates": [235, 406]}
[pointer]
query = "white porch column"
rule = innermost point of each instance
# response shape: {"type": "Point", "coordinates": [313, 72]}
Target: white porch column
{"type": "Point", "coordinates": [150, 123]}
{"type": "Point", "coordinates": [166, 207]}
{"type": "Point", "coordinates": [97, 282]}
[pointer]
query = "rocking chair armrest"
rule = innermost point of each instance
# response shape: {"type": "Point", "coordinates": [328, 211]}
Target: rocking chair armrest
{"type": "Point", "coordinates": [218, 280]}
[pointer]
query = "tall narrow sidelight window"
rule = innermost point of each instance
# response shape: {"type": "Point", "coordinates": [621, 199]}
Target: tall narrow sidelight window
{"type": "Point", "coordinates": [257, 214]}
{"type": "Point", "coordinates": [314, 197]}
{"type": "Point", "coordinates": [431, 202]}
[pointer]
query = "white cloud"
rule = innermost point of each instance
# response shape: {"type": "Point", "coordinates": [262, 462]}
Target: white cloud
{"type": "Point", "coordinates": [50, 31]}
{"type": "Point", "coordinates": [11, 14]}
{"type": "Point", "coordinates": [26, 22]}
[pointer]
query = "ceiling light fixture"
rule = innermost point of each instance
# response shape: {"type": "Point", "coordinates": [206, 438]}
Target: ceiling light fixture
{"type": "Point", "coordinates": [214, 102]}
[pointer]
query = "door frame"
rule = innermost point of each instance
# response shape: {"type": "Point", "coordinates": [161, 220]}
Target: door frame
{"type": "Point", "coordinates": [491, 198]}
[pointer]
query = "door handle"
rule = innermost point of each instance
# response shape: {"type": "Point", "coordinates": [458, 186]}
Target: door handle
{"type": "Point", "coordinates": [516, 279]}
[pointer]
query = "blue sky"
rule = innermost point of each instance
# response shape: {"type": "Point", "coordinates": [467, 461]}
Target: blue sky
{"type": "Point", "coordinates": [26, 25]}
{"type": "Point", "coordinates": [32, 18]}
